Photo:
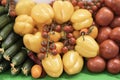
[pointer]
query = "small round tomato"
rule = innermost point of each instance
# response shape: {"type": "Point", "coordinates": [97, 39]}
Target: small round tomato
{"type": "Point", "coordinates": [36, 71]}
{"type": "Point", "coordinates": [108, 49]}
{"type": "Point", "coordinates": [115, 34]}
{"type": "Point", "coordinates": [103, 34]}
{"type": "Point", "coordinates": [96, 64]}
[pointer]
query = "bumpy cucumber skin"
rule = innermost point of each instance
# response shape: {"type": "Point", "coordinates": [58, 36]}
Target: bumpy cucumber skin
{"type": "Point", "coordinates": [11, 51]}
{"type": "Point", "coordinates": [11, 39]}
{"type": "Point", "coordinates": [2, 10]}
{"type": "Point", "coordinates": [16, 70]}
{"type": "Point", "coordinates": [4, 20]}
{"type": "Point", "coordinates": [4, 65]}
{"type": "Point", "coordinates": [19, 58]}
{"type": "Point", "coordinates": [26, 68]}
{"type": "Point", "coordinates": [6, 31]}
{"type": "Point", "coordinates": [1, 57]}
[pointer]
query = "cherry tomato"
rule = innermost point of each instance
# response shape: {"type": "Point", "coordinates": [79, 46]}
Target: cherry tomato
{"type": "Point", "coordinates": [36, 71]}
{"type": "Point", "coordinates": [103, 34]}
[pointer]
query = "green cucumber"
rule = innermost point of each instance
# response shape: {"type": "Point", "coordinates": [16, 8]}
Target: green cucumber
{"type": "Point", "coordinates": [1, 57]}
{"type": "Point", "coordinates": [4, 20]}
{"type": "Point", "coordinates": [11, 51]}
{"type": "Point", "coordinates": [1, 54]}
{"type": "Point", "coordinates": [26, 68]}
{"type": "Point", "coordinates": [11, 39]}
{"type": "Point", "coordinates": [4, 65]}
{"type": "Point", "coordinates": [16, 70]}
{"type": "Point", "coordinates": [19, 58]}
{"type": "Point", "coordinates": [2, 10]}
{"type": "Point", "coordinates": [6, 31]}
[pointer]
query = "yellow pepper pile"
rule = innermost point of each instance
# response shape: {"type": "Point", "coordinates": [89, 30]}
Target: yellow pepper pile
{"type": "Point", "coordinates": [38, 15]}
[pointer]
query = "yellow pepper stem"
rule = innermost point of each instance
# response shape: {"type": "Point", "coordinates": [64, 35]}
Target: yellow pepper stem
{"type": "Point", "coordinates": [90, 30]}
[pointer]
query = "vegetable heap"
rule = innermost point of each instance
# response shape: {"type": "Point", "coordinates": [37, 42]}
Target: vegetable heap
{"type": "Point", "coordinates": [63, 36]}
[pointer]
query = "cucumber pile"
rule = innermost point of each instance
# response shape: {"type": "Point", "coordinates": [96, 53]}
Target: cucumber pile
{"type": "Point", "coordinates": [12, 56]}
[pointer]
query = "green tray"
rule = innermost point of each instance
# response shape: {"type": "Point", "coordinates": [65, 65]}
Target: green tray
{"type": "Point", "coordinates": [84, 75]}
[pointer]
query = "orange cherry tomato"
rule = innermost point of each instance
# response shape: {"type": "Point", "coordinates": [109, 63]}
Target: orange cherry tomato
{"type": "Point", "coordinates": [36, 71]}
{"type": "Point", "coordinates": [4, 2]}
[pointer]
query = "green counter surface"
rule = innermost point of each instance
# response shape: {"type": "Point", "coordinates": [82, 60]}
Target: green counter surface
{"type": "Point", "coordinates": [84, 75]}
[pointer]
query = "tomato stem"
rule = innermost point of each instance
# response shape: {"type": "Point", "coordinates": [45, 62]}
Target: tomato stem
{"type": "Point", "coordinates": [11, 4]}
{"type": "Point", "coordinates": [48, 39]}
{"type": "Point", "coordinates": [48, 44]}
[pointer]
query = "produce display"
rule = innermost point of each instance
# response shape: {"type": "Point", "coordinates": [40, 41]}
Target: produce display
{"type": "Point", "coordinates": [65, 36]}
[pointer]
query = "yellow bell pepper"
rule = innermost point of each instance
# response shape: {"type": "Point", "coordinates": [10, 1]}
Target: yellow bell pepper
{"type": "Point", "coordinates": [86, 46]}
{"type": "Point", "coordinates": [24, 24]}
{"type": "Point", "coordinates": [73, 62]}
{"type": "Point", "coordinates": [81, 18]}
{"type": "Point", "coordinates": [63, 11]}
{"type": "Point", "coordinates": [53, 65]}
{"type": "Point", "coordinates": [33, 42]}
{"type": "Point", "coordinates": [24, 7]}
{"type": "Point", "coordinates": [42, 13]}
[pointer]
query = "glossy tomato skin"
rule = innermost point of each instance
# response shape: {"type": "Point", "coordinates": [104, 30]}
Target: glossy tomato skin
{"type": "Point", "coordinates": [108, 49]}
{"type": "Point", "coordinates": [36, 71]}
{"type": "Point", "coordinates": [113, 66]}
{"type": "Point", "coordinates": [115, 22]}
{"type": "Point", "coordinates": [104, 16]}
{"type": "Point", "coordinates": [108, 3]}
{"type": "Point", "coordinates": [114, 5]}
{"type": "Point", "coordinates": [115, 34]}
{"type": "Point", "coordinates": [96, 64]}
{"type": "Point", "coordinates": [103, 34]}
